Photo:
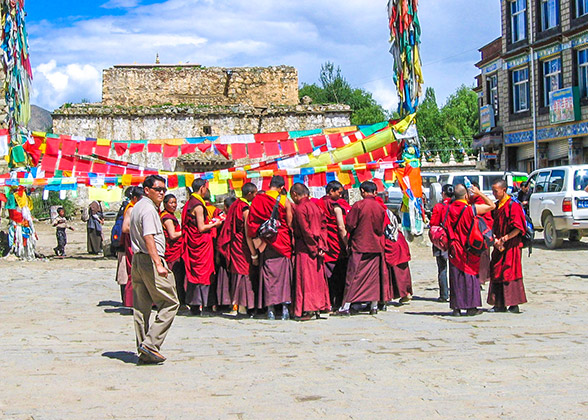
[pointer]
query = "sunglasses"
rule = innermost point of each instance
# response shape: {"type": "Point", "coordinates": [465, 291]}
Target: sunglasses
{"type": "Point", "coordinates": [159, 189]}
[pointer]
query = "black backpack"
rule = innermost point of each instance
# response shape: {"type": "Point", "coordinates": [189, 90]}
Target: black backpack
{"type": "Point", "coordinates": [116, 232]}
{"type": "Point", "coordinates": [269, 229]}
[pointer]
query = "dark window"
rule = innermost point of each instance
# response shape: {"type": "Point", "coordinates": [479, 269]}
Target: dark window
{"type": "Point", "coordinates": [582, 74]}
{"type": "Point", "coordinates": [518, 20]}
{"type": "Point", "coordinates": [520, 90]}
{"type": "Point", "coordinates": [552, 78]}
{"type": "Point", "coordinates": [549, 10]}
{"type": "Point", "coordinates": [581, 8]}
{"type": "Point", "coordinates": [492, 92]}
{"type": "Point", "coordinates": [207, 130]}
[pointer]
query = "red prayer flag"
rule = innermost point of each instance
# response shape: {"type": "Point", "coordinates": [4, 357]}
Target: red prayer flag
{"type": "Point", "coordinates": [66, 163]}
{"type": "Point", "coordinates": [103, 151]}
{"type": "Point", "coordinates": [255, 150]}
{"type": "Point", "coordinates": [204, 147]}
{"type": "Point", "coordinates": [365, 158]}
{"type": "Point", "coordinates": [379, 153]}
{"type": "Point", "coordinates": [265, 184]}
{"type": "Point", "coordinates": [99, 168]}
{"type": "Point", "coordinates": [304, 145]}
{"type": "Point", "coordinates": [379, 183]}
{"type": "Point", "coordinates": [49, 163]}
{"type": "Point", "coordinates": [172, 181]}
{"type": "Point", "coordinates": [272, 148]}
{"type": "Point", "coordinates": [317, 180]}
{"type": "Point", "coordinates": [120, 148]}
{"type": "Point", "coordinates": [222, 149]}
{"type": "Point", "coordinates": [86, 148]}
{"type": "Point", "coordinates": [153, 148]}
{"type": "Point", "coordinates": [82, 165]}
{"type": "Point", "coordinates": [187, 148]}
{"type": "Point", "coordinates": [238, 150]}
{"type": "Point", "coordinates": [271, 137]}
{"type": "Point", "coordinates": [394, 151]}
{"type": "Point", "coordinates": [364, 175]}
{"type": "Point", "coordinates": [68, 147]}
{"type": "Point", "coordinates": [115, 170]}
{"type": "Point", "coordinates": [336, 140]}
{"type": "Point", "coordinates": [52, 146]}
{"type": "Point", "coordinates": [136, 148]}
{"type": "Point", "coordinates": [288, 147]}
{"type": "Point", "coordinates": [33, 149]}
{"type": "Point", "coordinates": [319, 141]}
{"type": "Point", "coordinates": [170, 151]}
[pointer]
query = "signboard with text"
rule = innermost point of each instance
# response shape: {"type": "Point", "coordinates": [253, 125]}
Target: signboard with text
{"type": "Point", "coordinates": [486, 118]}
{"type": "Point", "coordinates": [565, 105]}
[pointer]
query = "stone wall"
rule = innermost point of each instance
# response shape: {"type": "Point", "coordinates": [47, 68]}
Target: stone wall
{"type": "Point", "coordinates": [137, 123]}
{"type": "Point", "coordinates": [147, 85]}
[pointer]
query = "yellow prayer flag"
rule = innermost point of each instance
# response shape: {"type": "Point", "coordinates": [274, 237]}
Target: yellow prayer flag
{"type": "Point", "coordinates": [344, 178]}
{"type": "Point", "coordinates": [127, 180]}
{"type": "Point", "coordinates": [102, 142]}
{"type": "Point", "coordinates": [218, 188]}
{"type": "Point", "coordinates": [340, 130]}
{"type": "Point", "coordinates": [189, 180]}
{"type": "Point", "coordinates": [103, 194]}
{"type": "Point", "coordinates": [378, 140]}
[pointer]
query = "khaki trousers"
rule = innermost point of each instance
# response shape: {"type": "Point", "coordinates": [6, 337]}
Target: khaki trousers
{"type": "Point", "coordinates": [148, 288]}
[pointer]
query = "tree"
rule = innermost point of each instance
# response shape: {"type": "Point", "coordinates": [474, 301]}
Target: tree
{"type": "Point", "coordinates": [334, 89]}
{"type": "Point", "coordinates": [453, 126]}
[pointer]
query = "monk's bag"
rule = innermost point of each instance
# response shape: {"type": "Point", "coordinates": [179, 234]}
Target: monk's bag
{"type": "Point", "coordinates": [480, 236]}
{"type": "Point", "coordinates": [439, 235]}
{"type": "Point", "coordinates": [269, 229]}
{"type": "Point", "coordinates": [528, 236]}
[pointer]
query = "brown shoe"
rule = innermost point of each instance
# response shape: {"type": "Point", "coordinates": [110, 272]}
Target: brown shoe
{"type": "Point", "coordinates": [150, 354]}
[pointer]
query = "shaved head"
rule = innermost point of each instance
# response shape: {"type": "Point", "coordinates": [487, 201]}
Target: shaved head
{"type": "Point", "coordinates": [460, 192]}
{"type": "Point", "coordinates": [500, 183]}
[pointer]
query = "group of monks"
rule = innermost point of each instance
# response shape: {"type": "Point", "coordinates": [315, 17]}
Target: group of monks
{"type": "Point", "coordinates": [467, 269]}
{"type": "Point", "coordinates": [301, 256]}
{"type": "Point", "coordinates": [317, 256]}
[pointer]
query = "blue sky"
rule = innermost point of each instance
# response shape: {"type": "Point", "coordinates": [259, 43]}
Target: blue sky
{"type": "Point", "coordinates": [72, 42]}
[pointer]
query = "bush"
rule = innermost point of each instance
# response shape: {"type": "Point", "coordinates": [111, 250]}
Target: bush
{"type": "Point", "coordinates": [42, 208]}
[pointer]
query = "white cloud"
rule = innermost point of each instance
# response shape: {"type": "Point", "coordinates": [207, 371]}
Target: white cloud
{"type": "Point", "coordinates": [303, 33]}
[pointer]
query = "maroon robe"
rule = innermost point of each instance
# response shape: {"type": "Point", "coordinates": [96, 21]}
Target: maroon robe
{"type": "Point", "coordinates": [484, 272]}
{"type": "Point", "coordinates": [397, 254]}
{"type": "Point", "coordinates": [232, 245]}
{"type": "Point", "coordinates": [366, 268]}
{"type": "Point", "coordinates": [198, 252]}
{"type": "Point", "coordinates": [311, 289]}
{"type": "Point", "coordinates": [173, 248]}
{"type": "Point", "coordinates": [464, 286]}
{"type": "Point", "coordinates": [506, 285]}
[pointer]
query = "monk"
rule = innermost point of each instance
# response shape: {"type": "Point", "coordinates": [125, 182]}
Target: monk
{"type": "Point", "coordinates": [174, 245]}
{"type": "Point", "coordinates": [397, 256]}
{"type": "Point", "coordinates": [464, 286]}
{"type": "Point", "coordinates": [437, 219]}
{"type": "Point", "coordinates": [335, 210]}
{"type": "Point", "coordinates": [239, 251]}
{"type": "Point", "coordinates": [135, 195]}
{"type": "Point", "coordinates": [484, 274]}
{"type": "Point", "coordinates": [311, 289]}
{"type": "Point", "coordinates": [365, 270]}
{"type": "Point", "coordinates": [198, 254]}
{"type": "Point", "coordinates": [219, 275]}
{"type": "Point", "coordinates": [275, 274]}
{"type": "Point", "coordinates": [506, 284]}
{"type": "Point", "coordinates": [223, 280]}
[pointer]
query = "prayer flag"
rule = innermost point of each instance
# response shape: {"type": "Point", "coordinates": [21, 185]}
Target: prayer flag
{"type": "Point", "coordinates": [288, 147]}
{"type": "Point", "coordinates": [272, 148]}
{"type": "Point", "coordinates": [170, 151]}
{"type": "Point", "coordinates": [136, 148]}
{"type": "Point", "coordinates": [86, 148]}
{"type": "Point", "coordinates": [304, 146]}
{"type": "Point", "coordinates": [153, 148]}
{"type": "Point", "coordinates": [255, 150]}
{"type": "Point", "coordinates": [238, 150]}
{"type": "Point", "coordinates": [120, 148]}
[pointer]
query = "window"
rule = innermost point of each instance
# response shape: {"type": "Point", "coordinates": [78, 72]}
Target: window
{"type": "Point", "coordinates": [492, 85]}
{"type": "Point", "coordinates": [532, 181]}
{"type": "Point", "coordinates": [583, 72]}
{"type": "Point", "coordinates": [540, 185]}
{"type": "Point", "coordinates": [489, 180]}
{"type": "Point", "coordinates": [518, 20]}
{"type": "Point", "coordinates": [520, 90]}
{"type": "Point", "coordinates": [460, 179]}
{"type": "Point", "coordinates": [581, 7]}
{"type": "Point", "coordinates": [580, 179]}
{"type": "Point", "coordinates": [552, 78]}
{"type": "Point", "coordinates": [556, 181]}
{"type": "Point", "coordinates": [549, 14]}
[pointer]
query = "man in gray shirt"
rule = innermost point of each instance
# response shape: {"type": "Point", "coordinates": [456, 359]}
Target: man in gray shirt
{"type": "Point", "coordinates": [153, 282]}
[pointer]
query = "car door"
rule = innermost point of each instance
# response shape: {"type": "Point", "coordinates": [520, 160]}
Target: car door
{"type": "Point", "coordinates": [578, 192]}
{"type": "Point", "coordinates": [537, 188]}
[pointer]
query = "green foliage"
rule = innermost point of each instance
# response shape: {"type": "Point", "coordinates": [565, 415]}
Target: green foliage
{"type": "Point", "coordinates": [334, 89]}
{"type": "Point", "coordinates": [450, 128]}
{"type": "Point", "coordinates": [42, 208]}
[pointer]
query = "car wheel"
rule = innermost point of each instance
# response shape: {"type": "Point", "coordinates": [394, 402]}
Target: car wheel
{"type": "Point", "coordinates": [551, 236]}
{"type": "Point", "coordinates": [575, 236]}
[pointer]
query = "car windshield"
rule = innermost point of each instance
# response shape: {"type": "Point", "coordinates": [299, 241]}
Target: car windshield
{"type": "Point", "coordinates": [580, 179]}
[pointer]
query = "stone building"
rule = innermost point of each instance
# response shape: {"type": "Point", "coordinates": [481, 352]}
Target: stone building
{"type": "Point", "coordinates": [533, 86]}
{"type": "Point", "coordinates": [176, 101]}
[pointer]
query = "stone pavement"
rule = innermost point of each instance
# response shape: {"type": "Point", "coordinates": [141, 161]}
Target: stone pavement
{"type": "Point", "coordinates": [68, 352]}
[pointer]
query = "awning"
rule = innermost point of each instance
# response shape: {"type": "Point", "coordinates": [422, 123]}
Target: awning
{"type": "Point", "coordinates": [487, 141]}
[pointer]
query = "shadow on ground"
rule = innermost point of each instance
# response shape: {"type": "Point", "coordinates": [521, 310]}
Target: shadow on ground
{"type": "Point", "coordinates": [123, 356]}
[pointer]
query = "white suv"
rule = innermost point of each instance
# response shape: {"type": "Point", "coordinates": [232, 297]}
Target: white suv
{"type": "Point", "coordinates": [559, 203]}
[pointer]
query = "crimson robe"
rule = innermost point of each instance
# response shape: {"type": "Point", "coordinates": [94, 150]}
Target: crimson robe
{"type": "Point", "coordinates": [260, 211]}
{"type": "Point", "coordinates": [173, 248]}
{"type": "Point", "coordinates": [366, 271]}
{"type": "Point", "coordinates": [458, 233]}
{"type": "Point", "coordinates": [198, 251]}
{"type": "Point", "coordinates": [335, 246]}
{"type": "Point", "coordinates": [484, 271]}
{"type": "Point", "coordinates": [506, 283]}
{"type": "Point", "coordinates": [310, 237]}
{"type": "Point", "coordinates": [232, 243]}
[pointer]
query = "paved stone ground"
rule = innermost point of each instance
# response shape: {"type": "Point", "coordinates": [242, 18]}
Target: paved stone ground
{"type": "Point", "coordinates": [67, 351]}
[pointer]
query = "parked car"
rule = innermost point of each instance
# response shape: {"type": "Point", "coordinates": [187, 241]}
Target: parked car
{"type": "Point", "coordinates": [558, 204]}
{"type": "Point", "coordinates": [483, 179]}
{"type": "Point", "coordinates": [393, 196]}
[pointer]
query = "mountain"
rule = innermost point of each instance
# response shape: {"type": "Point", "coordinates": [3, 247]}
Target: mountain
{"type": "Point", "coordinates": [40, 119]}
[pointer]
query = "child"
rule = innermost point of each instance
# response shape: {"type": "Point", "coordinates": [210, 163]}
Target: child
{"type": "Point", "coordinates": [60, 223]}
